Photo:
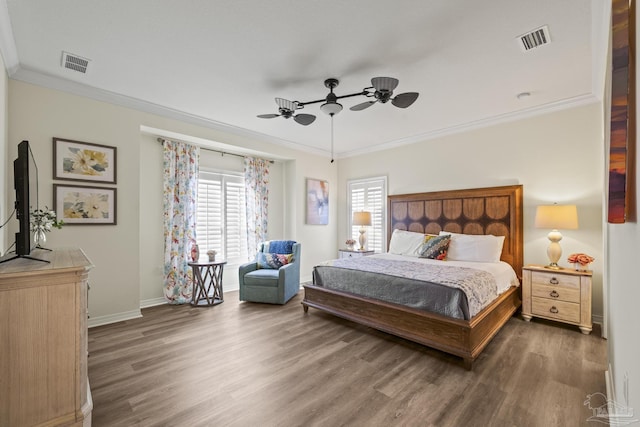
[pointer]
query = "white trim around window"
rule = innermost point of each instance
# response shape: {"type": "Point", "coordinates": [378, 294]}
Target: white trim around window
{"type": "Point", "coordinates": [369, 194]}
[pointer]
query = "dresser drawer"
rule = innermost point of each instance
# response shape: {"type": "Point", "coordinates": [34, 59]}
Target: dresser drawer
{"type": "Point", "coordinates": [556, 292]}
{"type": "Point", "coordinates": [550, 278]}
{"type": "Point", "coordinates": [561, 310]}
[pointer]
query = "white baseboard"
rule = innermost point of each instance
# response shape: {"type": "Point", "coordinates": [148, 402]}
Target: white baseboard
{"type": "Point", "coordinates": [608, 382]}
{"type": "Point", "coordinates": [597, 319]}
{"type": "Point", "coordinates": [113, 318]}
{"type": "Point", "coordinates": [152, 302]}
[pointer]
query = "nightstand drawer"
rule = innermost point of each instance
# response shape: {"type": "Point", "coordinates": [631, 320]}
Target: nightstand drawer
{"type": "Point", "coordinates": [553, 279]}
{"type": "Point", "coordinates": [556, 292]}
{"type": "Point", "coordinates": [561, 310]}
{"type": "Point", "coordinates": [344, 253]}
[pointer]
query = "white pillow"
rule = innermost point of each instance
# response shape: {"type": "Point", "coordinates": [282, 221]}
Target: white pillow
{"type": "Point", "coordinates": [405, 243]}
{"type": "Point", "coordinates": [475, 248]}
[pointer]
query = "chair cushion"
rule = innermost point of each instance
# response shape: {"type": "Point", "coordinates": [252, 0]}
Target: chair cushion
{"type": "Point", "coordinates": [262, 278]}
{"type": "Point", "coordinates": [272, 261]}
{"type": "Point", "coordinates": [279, 246]}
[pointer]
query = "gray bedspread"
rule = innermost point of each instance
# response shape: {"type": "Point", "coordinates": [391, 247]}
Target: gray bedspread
{"type": "Point", "coordinates": [451, 291]}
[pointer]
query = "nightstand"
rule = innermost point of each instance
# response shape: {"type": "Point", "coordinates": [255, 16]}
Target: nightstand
{"type": "Point", "coordinates": [347, 253]}
{"type": "Point", "coordinates": [563, 295]}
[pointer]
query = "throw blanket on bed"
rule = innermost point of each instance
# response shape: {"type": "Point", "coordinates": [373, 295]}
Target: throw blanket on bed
{"type": "Point", "coordinates": [479, 286]}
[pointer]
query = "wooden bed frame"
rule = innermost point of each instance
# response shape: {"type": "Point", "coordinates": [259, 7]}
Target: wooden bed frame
{"type": "Point", "coordinates": [495, 210]}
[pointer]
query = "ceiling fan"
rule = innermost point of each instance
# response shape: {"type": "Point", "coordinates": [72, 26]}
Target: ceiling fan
{"type": "Point", "coordinates": [381, 89]}
{"type": "Point", "coordinates": [286, 109]}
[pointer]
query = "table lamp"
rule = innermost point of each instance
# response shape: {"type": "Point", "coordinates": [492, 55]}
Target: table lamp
{"type": "Point", "coordinates": [556, 217]}
{"type": "Point", "coordinates": [362, 219]}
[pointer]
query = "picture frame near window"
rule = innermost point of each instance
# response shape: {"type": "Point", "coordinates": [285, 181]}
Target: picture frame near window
{"type": "Point", "coordinates": [83, 205]}
{"type": "Point", "coordinates": [317, 197]}
{"type": "Point", "coordinates": [84, 161]}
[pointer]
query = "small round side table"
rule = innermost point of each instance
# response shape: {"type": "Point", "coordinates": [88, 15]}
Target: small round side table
{"type": "Point", "coordinates": [207, 283]}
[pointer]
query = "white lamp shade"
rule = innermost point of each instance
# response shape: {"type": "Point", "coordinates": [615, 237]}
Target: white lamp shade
{"type": "Point", "coordinates": [362, 218]}
{"type": "Point", "coordinates": [557, 217]}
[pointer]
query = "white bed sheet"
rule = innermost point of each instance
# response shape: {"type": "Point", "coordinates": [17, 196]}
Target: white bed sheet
{"type": "Point", "coordinates": [504, 274]}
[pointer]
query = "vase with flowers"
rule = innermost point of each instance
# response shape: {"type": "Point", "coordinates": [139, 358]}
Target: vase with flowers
{"type": "Point", "coordinates": [41, 222]}
{"type": "Point", "coordinates": [350, 244]}
{"type": "Point", "coordinates": [580, 261]}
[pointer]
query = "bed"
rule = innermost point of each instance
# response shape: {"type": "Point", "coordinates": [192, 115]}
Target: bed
{"type": "Point", "coordinates": [485, 211]}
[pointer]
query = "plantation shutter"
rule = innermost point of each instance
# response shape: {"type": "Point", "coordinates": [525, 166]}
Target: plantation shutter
{"type": "Point", "coordinates": [221, 221]}
{"type": "Point", "coordinates": [236, 220]}
{"type": "Point", "coordinates": [369, 195]}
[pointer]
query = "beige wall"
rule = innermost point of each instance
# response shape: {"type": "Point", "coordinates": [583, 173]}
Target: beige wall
{"type": "Point", "coordinates": [623, 245]}
{"type": "Point", "coordinates": [6, 180]}
{"type": "Point", "coordinates": [557, 157]}
{"type": "Point", "coordinates": [126, 255]}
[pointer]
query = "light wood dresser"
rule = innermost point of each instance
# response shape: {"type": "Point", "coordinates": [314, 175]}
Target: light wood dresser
{"type": "Point", "coordinates": [43, 340]}
{"type": "Point", "coordinates": [563, 295]}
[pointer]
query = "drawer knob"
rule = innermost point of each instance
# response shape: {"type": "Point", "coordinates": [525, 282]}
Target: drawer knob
{"type": "Point", "coordinates": [553, 309]}
{"type": "Point", "coordinates": [554, 294]}
{"type": "Point", "coordinates": [554, 281]}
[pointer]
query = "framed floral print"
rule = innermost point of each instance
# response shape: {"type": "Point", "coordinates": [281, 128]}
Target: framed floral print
{"type": "Point", "coordinates": [80, 205]}
{"type": "Point", "coordinates": [317, 201]}
{"type": "Point", "coordinates": [83, 161]}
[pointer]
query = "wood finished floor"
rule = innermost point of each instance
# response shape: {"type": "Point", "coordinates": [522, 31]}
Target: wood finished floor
{"type": "Point", "coordinates": [244, 364]}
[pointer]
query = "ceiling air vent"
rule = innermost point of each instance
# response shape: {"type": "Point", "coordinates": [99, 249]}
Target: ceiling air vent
{"type": "Point", "coordinates": [536, 38]}
{"type": "Point", "coordinates": [74, 62]}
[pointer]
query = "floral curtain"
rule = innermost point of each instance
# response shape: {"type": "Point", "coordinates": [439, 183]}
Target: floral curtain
{"type": "Point", "coordinates": [256, 179]}
{"type": "Point", "coordinates": [180, 193]}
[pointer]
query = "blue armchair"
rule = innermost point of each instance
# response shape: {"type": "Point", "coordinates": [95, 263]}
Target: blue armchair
{"type": "Point", "coordinates": [271, 285]}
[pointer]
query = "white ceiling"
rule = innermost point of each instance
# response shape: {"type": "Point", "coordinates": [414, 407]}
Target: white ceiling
{"type": "Point", "coordinates": [222, 62]}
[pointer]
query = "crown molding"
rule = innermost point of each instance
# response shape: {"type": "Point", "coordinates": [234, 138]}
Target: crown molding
{"type": "Point", "coordinates": [58, 83]}
{"type": "Point", "coordinates": [574, 102]}
{"type": "Point", "coordinates": [7, 42]}
{"type": "Point", "coordinates": [61, 84]}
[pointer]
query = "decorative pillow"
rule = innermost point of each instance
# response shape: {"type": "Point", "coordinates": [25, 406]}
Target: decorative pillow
{"type": "Point", "coordinates": [475, 248]}
{"type": "Point", "coordinates": [273, 261]}
{"type": "Point", "coordinates": [405, 243]}
{"type": "Point", "coordinates": [435, 247]}
{"type": "Point", "coordinates": [279, 246]}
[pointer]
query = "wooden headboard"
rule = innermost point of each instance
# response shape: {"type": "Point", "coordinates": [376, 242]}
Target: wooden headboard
{"type": "Point", "coordinates": [493, 210]}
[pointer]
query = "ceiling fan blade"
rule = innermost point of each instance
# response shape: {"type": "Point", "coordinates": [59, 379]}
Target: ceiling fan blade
{"type": "Point", "coordinates": [286, 104]}
{"type": "Point", "coordinates": [384, 83]}
{"type": "Point", "coordinates": [268, 116]}
{"type": "Point", "coordinates": [304, 119]}
{"type": "Point", "coordinates": [362, 106]}
{"type": "Point", "coordinates": [404, 100]}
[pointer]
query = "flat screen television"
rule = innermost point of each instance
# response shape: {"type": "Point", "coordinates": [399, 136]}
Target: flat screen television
{"type": "Point", "coordinates": [21, 183]}
{"type": "Point", "coordinates": [25, 182]}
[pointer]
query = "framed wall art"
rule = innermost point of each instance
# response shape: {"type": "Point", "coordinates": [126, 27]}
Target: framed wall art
{"type": "Point", "coordinates": [83, 161]}
{"type": "Point", "coordinates": [621, 206]}
{"type": "Point", "coordinates": [317, 202]}
{"type": "Point", "coordinates": [80, 205]}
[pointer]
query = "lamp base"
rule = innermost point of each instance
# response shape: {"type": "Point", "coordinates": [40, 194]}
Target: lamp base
{"type": "Point", "coordinates": [553, 266]}
{"type": "Point", "coordinates": [362, 238]}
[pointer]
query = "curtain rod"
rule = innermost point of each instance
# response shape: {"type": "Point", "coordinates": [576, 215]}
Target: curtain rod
{"type": "Point", "coordinates": [161, 140]}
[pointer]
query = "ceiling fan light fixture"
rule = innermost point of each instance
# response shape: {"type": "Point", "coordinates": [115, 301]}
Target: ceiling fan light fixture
{"type": "Point", "coordinates": [331, 108]}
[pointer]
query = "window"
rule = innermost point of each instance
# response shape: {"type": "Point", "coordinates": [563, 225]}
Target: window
{"type": "Point", "coordinates": [369, 195]}
{"type": "Point", "coordinates": [221, 222]}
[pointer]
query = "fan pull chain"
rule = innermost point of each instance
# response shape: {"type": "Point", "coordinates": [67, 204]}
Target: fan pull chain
{"type": "Point", "coordinates": [332, 137]}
